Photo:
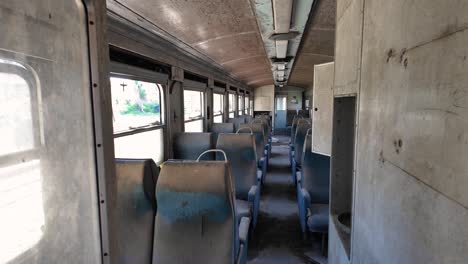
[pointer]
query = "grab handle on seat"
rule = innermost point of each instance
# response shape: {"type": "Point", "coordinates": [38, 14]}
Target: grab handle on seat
{"type": "Point", "coordinates": [251, 131]}
{"type": "Point", "coordinates": [213, 150]}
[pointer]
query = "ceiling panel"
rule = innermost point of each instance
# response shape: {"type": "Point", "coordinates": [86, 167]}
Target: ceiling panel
{"type": "Point", "coordinates": [318, 44]}
{"type": "Point", "coordinates": [224, 30]}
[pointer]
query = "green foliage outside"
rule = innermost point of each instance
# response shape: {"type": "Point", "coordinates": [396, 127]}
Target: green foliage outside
{"type": "Point", "coordinates": [141, 107]}
{"type": "Point", "coordinates": [149, 108]}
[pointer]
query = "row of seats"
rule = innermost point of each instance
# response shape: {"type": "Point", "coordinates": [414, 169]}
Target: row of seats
{"type": "Point", "coordinates": [196, 209]}
{"type": "Point", "coordinates": [264, 119]}
{"type": "Point", "coordinates": [312, 177]}
{"type": "Point", "coordinates": [299, 130]}
{"type": "Point", "coordinates": [184, 213]}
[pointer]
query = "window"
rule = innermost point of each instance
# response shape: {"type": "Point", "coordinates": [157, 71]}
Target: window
{"type": "Point", "coordinates": [21, 202]}
{"type": "Point", "coordinates": [251, 107]}
{"type": "Point", "coordinates": [218, 107]}
{"type": "Point", "coordinates": [246, 105]}
{"type": "Point", "coordinates": [240, 104]}
{"type": "Point", "coordinates": [232, 106]}
{"type": "Point", "coordinates": [138, 119]}
{"type": "Point", "coordinates": [193, 111]}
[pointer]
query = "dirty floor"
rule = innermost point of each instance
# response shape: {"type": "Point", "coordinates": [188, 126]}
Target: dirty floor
{"type": "Point", "coordinates": [277, 237]}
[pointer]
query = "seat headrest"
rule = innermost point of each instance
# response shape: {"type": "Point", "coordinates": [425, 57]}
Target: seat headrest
{"type": "Point", "coordinates": [188, 189]}
{"type": "Point", "coordinates": [196, 220]}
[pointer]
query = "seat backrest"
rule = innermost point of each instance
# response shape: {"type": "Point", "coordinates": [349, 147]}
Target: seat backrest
{"type": "Point", "coordinates": [241, 153]}
{"type": "Point", "coordinates": [135, 209]}
{"type": "Point", "coordinates": [236, 121]}
{"type": "Point", "coordinates": [293, 128]}
{"type": "Point", "coordinates": [266, 127]}
{"type": "Point", "coordinates": [196, 220]}
{"type": "Point", "coordinates": [316, 174]}
{"type": "Point", "coordinates": [248, 119]}
{"type": "Point", "coordinates": [259, 132]}
{"type": "Point", "coordinates": [302, 126]}
{"type": "Point", "coordinates": [218, 128]}
{"type": "Point", "coordinates": [189, 145]}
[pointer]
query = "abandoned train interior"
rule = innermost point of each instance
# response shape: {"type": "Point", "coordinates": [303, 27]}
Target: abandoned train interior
{"type": "Point", "coordinates": [234, 131]}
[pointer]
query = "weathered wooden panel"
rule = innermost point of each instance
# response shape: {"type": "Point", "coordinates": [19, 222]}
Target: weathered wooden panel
{"type": "Point", "coordinates": [322, 108]}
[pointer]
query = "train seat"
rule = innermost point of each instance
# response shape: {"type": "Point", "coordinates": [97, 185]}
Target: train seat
{"type": "Point", "coordinates": [260, 142]}
{"type": "Point", "coordinates": [196, 220]}
{"type": "Point", "coordinates": [236, 121]}
{"type": "Point", "coordinates": [248, 118]}
{"type": "Point", "coordinates": [240, 151]}
{"type": "Point", "coordinates": [267, 132]}
{"type": "Point", "coordinates": [189, 145]}
{"type": "Point", "coordinates": [313, 183]}
{"type": "Point", "coordinates": [218, 128]}
{"type": "Point", "coordinates": [293, 135]}
{"type": "Point", "coordinates": [302, 129]}
{"type": "Point", "coordinates": [136, 207]}
{"type": "Point", "coordinates": [318, 216]}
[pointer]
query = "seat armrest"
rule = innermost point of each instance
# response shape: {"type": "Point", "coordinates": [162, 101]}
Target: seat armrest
{"type": "Point", "coordinates": [254, 200]}
{"type": "Point", "coordinates": [244, 230]}
{"type": "Point", "coordinates": [304, 204]}
{"type": "Point", "coordinates": [259, 175]}
{"type": "Point", "coordinates": [299, 177]}
{"type": "Point", "coordinates": [253, 193]}
{"type": "Point", "coordinates": [241, 254]}
{"type": "Point", "coordinates": [260, 162]}
{"type": "Point", "coordinates": [306, 197]}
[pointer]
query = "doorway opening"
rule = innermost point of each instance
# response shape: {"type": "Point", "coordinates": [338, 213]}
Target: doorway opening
{"type": "Point", "coordinates": [342, 167]}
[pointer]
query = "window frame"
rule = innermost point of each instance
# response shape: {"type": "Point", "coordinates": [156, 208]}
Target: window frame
{"type": "Point", "coordinates": [240, 104]}
{"type": "Point", "coordinates": [234, 107]}
{"type": "Point", "coordinates": [247, 106]}
{"type": "Point", "coordinates": [222, 105]}
{"type": "Point", "coordinates": [202, 103]}
{"type": "Point", "coordinates": [121, 70]}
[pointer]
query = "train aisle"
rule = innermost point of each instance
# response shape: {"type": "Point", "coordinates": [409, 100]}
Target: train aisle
{"type": "Point", "coordinates": [277, 237]}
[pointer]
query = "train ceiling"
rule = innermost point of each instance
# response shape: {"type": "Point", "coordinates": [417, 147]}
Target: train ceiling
{"type": "Point", "coordinates": [257, 41]}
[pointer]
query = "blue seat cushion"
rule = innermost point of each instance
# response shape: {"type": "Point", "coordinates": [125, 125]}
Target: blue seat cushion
{"type": "Point", "coordinates": [318, 218]}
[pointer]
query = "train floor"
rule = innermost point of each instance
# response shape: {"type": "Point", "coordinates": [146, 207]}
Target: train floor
{"type": "Point", "coordinates": [277, 237]}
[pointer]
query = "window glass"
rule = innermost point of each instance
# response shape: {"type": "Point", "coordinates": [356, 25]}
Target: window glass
{"type": "Point", "coordinates": [135, 103]}
{"type": "Point", "coordinates": [194, 126]}
{"type": "Point", "coordinates": [193, 111]}
{"type": "Point", "coordinates": [21, 204]}
{"type": "Point", "coordinates": [232, 106]}
{"type": "Point", "coordinates": [138, 106]}
{"type": "Point", "coordinates": [16, 125]}
{"type": "Point", "coordinates": [145, 145]}
{"type": "Point", "coordinates": [251, 107]}
{"type": "Point", "coordinates": [246, 105]}
{"type": "Point", "coordinates": [193, 105]}
{"type": "Point", "coordinates": [240, 104]}
{"type": "Point", "coordinates": [218, 107]}
{"type": "Point", "coordinates": [218, 119]}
